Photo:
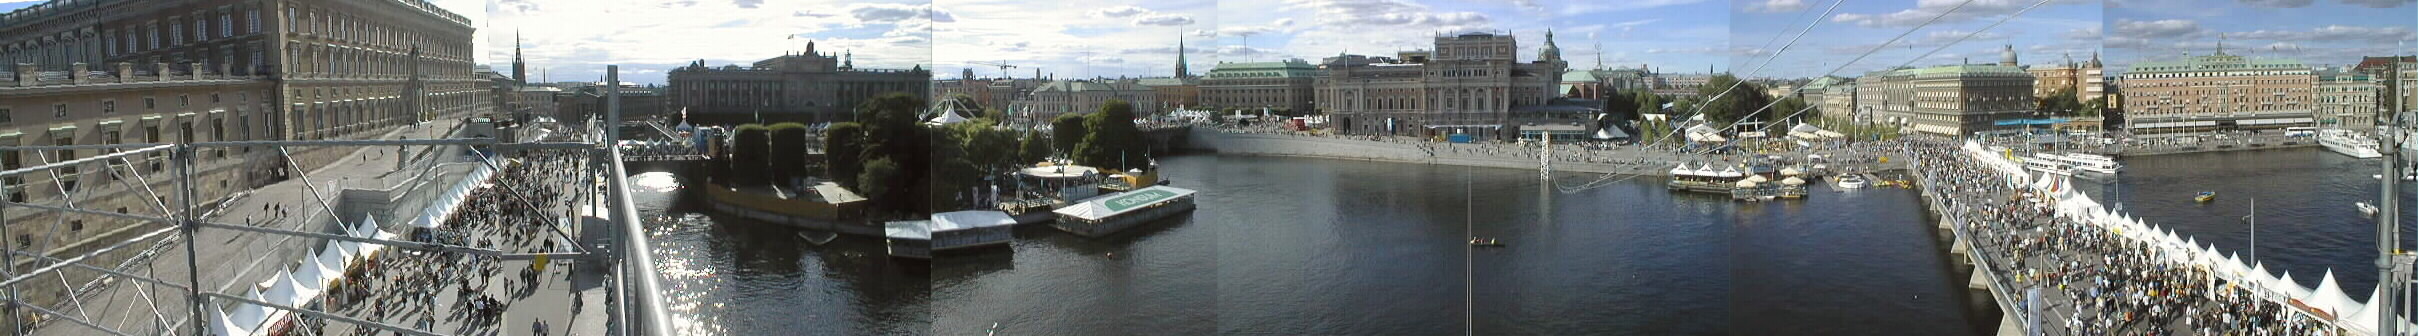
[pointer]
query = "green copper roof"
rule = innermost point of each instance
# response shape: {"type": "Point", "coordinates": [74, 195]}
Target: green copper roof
{"type": "Point", "coordinates": [2216, 63]}
{"type": "Point", "coordinates": [1967, 69]}
{"type": "Point", "coordinates": [1288, 68]}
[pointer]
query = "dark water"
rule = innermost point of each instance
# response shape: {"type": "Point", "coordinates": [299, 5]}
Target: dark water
{"type": "Point", "coordinates": [730, 276]}
{"type": "Point", "coordinates": [1303, 246]}
{"type": "Point", "coordinates": [2306, 221]}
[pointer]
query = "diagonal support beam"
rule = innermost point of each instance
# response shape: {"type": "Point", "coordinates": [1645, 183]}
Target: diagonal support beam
{"type": "Point", "coordinates": [65, 317]}
{"type": "Point", "coordinates": [102, 157]}
{"type": "Point", "coordinates": [104, 270]}
{"type": "Point", "coordinates": [87, 255]}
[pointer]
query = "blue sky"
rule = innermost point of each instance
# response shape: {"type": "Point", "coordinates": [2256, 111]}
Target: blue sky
{"type": "Point", "coordinates": [2045, 34]}
{"type": "Point", "coordinates": [2318, 32]}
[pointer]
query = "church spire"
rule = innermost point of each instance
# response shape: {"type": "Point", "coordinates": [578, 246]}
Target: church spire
{"type": "Point", "coordinates": [1181, 70]}
{"type": "Point", "coordinates": [520, 68]}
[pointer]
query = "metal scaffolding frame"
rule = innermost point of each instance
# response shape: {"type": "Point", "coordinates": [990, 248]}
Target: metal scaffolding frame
{"type": "Point", "coordinates": [637, 305]}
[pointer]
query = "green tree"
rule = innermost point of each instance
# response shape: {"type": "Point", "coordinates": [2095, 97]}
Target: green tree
{"type": "Point", "coordinates": [1067, 131]}
{"type": "Point", "coordinates": [879, 177]}
{"type": "Point", "coordinates": [1114, 141]}
{"type": "Point", "coordinates": [788, 150]}
{"type": "Point", "coordinates": [844, 149]}
{"type": "Point", "coordinates": [1737, 104]}
{"type": "Point", "coordinates": [748, 149]}
{"type": "Point", "coordinates": [1648, 102]}
{"type": "Point", "coordinates": [1620, 106]}
{"type": "Point", "coordinates": [1033, 148]}
{"type": "Point", "coordinates": [2062, 103]}
{"type": "Point", "coordinates": [894, 133]}
{"type": "Point", "coordinates": [1790, 107]}
{"type": "Point", "coordinates": [2093, 107]}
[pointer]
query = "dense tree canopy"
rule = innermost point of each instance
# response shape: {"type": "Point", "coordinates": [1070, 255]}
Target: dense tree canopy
{"type": "Point", "coordinates": [1067, 131]}
{"type": "Point", "coordinates": [788, 150]}
{"type": "Point", "coordinates": [1740, 103]}
{"type": "Point", "coordinates": [843, 148]}
{"type": "Point", "coordinates": [749, 152]}
{"type": "Point", "coordinates": [1113, 140]}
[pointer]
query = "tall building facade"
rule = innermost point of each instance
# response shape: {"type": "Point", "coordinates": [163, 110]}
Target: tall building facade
{"type": "Point", "coordinates": [809, 87]}
{"type": "Point", "coordinates": [1281, 85]}
{"type": "Point", "coordinates": [2218, 92]}
{"type": "Point", "coordinates": [1950, 100]}
{"type": "Point", "coordinates": [1473, 83]}
{"type": "Point", "coordinates": [1086, 96]}
{"type": "Point", "coordinates": [87, 72]}
{"type": "Point", "coordinates": [2346, 99]}
{"type": "Point", "coordinates": [2087, 79]}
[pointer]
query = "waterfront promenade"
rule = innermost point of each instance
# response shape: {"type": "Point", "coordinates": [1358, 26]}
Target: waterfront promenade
{"type": "Point", "coordinates": [2093, 272]}
{"type": "Point", "coordinates": [1575, 158]}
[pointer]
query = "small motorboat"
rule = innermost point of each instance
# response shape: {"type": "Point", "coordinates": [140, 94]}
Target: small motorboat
{"type": "Point", "coordinates": [2205, 197]}
{"type": "Point", "coordinates": [1485, 242]}
{"type": "Point", "coordinates": [2365, 208]}
{"type": "Point", "coordinates": [818, 238]}
{"type": "Point", "coordinates": [1852, 182]}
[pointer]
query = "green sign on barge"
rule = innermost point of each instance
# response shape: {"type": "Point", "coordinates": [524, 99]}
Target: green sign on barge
{"type": "Point", "coordinates": [1104, 215]}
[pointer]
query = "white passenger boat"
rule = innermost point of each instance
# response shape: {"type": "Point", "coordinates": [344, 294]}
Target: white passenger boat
{"type": "Point", "coordinates": [1852, 181]}
{"type": "Point", "coordinates": [2070, 164]}
{"type": "Point", "coordinates": [2347, 142]}
{"type": "Point", "coordinates": [2365, 208]}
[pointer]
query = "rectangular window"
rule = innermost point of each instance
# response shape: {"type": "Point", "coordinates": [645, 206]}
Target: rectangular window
{"type": "Point", "coordinates": [252, 21]}
{"type": "Point", "coordinates": [201, 31]}
{"type": "Point", "coordinates": [226, 24]}
{"type": "Point", "coordinates": [213, 97]}
{"type": "Point", "coordinates": [58, 111]}
{"type": "Point", "coordinates": [184, 100]}
{"type": "Point", "coordinates": [150, 104]}
{"type": "Point", "coordinates": [109, 106]}
{"type": "Point", "coordinates": [4, 116]}
{"type": "Point", "coordinates": [176, 33]}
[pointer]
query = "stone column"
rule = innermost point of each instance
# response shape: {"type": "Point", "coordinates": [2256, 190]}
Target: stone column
{"type": "Point", "coordinates": [196, 67]}
{"type": "Point", "coordinates": [125, 72]}
{"type": "Point", "coordinates": [26, 74]}
{"type": "Point", "coordinates": [75, 72]}
{"type": "Point", "coordinates": [163, 71]}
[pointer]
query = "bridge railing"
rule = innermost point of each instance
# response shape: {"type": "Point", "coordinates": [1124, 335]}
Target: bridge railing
{"type": "Point", "coordinates": [1984, 258]}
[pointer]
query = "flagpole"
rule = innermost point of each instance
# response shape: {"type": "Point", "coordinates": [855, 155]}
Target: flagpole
{"type": "Point", "coordinates": [2254, 229]}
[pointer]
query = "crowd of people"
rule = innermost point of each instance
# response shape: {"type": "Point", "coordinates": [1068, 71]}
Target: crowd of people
{"type": "Point", "coordinates": [2092, 280]}
{"type": "Point", "coordinates": [515, 212]}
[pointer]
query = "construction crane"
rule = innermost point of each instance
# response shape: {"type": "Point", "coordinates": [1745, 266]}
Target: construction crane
{"type": "Point", "coordinates": [1003, 66]}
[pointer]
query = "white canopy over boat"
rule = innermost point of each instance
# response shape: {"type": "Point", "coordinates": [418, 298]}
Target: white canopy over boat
{"type": "Point", "coordinates": [1792, 181]}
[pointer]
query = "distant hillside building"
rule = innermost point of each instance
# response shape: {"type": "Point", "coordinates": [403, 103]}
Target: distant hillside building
{"type": "Point", "coordinates": [808, 86]}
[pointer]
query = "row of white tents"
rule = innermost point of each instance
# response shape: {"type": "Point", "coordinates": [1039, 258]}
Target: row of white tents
{"type": "Point", "coordinates": [451, 199]}
{"type": "Point", "coordinates": [2332, 305]}
{"type": "Point", "coordinates": [300, 286]}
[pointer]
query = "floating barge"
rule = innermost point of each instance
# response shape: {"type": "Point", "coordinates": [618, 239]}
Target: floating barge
{"type": "Point", "coordinates": [1109, 214]}
{"type": "Point", "coordinates": [948, 231]}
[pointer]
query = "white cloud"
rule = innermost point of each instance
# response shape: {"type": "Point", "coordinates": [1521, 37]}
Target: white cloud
{"type": "Point", "coordinates": [1163, 20]}
{"type": "Point", "coordinates": [1119, 11]}
{"type": "Point", "coordinates": [1925, 10]}
{"type": "Point", "coordinates": [1777, 6]}
{"type": "Point", "coordinates": [563, 37]}
{"type": "Point", "coordinates": [2160, 29]}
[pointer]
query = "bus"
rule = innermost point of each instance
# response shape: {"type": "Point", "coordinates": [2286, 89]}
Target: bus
{"type": "Point", "coordinates": [2298, 132]}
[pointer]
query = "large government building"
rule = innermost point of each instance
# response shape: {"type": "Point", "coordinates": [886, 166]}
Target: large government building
{"type": "Point", "coordinates": [1950, 100]}
{"type": "Point", "coordinates": [84, 72]}
{"type": "Point", "coordinates": [808, 87]}
{"type": "Point", "coordinates": [2217, 92]}
{"type": "Point", "coordinates": [1471, 83]}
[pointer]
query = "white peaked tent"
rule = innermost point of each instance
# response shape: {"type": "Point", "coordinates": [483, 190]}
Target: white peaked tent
{"type": "Point", "coordinates": [342, 251]}
{"type": "Point", "coordinates": [2329, 297]}
{"type": "Point", "coordinates": [2232, 268]}
{"type": "Point", "coordinates": [334, 261]}
{"type": "Point", "coordinates": [947, 116]}
{"type": "Point", "coordinates": [249, 315]}
{"type": "Point", "coordinates": [220, 324]}
{"type": "Point", "coordinates": [2364, 321]}
{"type": "Point", "coordinates": [284, 291]}
{"type": "Point", "coordinates": [309, 276]}
{"type": "Point", "coordinates": [2291, 288]}
{"type": "Point", "coordinates": [2259, 279]}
